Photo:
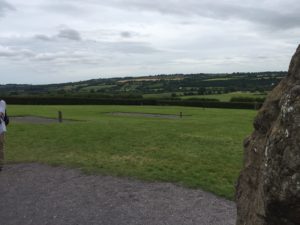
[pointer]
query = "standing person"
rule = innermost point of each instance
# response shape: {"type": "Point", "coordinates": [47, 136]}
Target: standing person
{"type": "Point", "coordinates": [2, 131]}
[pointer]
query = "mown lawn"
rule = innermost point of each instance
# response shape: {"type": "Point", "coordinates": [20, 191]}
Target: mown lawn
{"type": "Point", "coordinates": [201, 150]}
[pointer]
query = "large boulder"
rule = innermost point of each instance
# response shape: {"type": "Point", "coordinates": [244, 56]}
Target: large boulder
{"type": "Point", "coordinates": [268, 188]}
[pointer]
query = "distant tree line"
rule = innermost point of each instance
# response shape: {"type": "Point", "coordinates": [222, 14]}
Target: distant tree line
{"type": "Point", "coordinates": [186, 84]}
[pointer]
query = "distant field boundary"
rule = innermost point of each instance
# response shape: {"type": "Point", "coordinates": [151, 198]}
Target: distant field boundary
{"type": "Point", "coordinates": [115, 101]}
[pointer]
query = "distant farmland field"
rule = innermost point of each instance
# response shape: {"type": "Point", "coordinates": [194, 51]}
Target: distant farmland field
{"type": "Point", "coordinates": [203, 149]}
{"type": "Point", "coordinates": [227, 96]}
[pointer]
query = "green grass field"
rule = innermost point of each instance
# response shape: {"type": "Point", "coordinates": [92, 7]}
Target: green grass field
{"type": "Point", "coordinates": [157, 96]}
{"type": "Point", "coordinates": [228, 96]}
{"type": "Point", "coordinates": [203, 149]}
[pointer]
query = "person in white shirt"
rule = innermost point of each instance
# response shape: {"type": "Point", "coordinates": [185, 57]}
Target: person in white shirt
{"type": "Point", "coordinates": [2, 131]}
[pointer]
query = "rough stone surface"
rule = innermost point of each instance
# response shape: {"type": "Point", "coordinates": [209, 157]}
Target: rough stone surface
{"type": "Point", "coordinates": [268, 189]}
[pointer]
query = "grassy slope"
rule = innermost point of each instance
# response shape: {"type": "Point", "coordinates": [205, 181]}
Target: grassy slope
{"type": "Point", "coordinates": [222, 97]}
{"type": "Point", "coordinates": [203, 150]}
{"type": "Point", "coordinates": [228, 96]}
{"type": "Point", "coordinates": [157, 96]}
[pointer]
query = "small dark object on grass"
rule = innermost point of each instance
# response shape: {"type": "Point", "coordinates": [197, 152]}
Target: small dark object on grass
{"type": "Point", "coordinates": [60, 119]}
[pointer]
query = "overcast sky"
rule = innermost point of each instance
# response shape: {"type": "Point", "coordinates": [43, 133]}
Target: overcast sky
{"type": "Point", "coordinates": [52, 41]}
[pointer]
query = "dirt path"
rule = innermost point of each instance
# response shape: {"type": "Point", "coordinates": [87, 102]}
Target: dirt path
{"type": "Point", "coordinates": [42, 195]}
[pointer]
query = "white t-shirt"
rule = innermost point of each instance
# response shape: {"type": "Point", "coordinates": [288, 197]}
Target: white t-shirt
{"type": "Point", "coordinates": [2, 110]}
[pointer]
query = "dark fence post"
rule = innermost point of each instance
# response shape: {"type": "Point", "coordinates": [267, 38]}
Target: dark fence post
{"type": "Point", "coordinates": [180, 114]}
{"type": "Point", "coordinates": [60, 119]}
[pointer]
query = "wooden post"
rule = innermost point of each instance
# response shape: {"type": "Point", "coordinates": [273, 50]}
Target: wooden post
{"type": "Point", "coordinates": [180, 114]}
{"type": "Point", "coordinates": [255, 106]}
{"type": "Point", "coordinates": [60, 119]}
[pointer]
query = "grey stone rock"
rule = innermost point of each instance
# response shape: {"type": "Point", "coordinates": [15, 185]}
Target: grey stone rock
{"type": "Point", "coordinates": [268, 188]}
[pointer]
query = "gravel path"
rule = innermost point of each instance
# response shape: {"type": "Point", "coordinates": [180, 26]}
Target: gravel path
{"type": "Point", "coordinates": [38, 194]}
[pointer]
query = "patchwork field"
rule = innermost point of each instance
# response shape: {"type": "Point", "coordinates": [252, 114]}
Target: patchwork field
{"type": "Point", "coordinates": [203, 149]}
{"type": "Point", "coordinates": [225, 97]}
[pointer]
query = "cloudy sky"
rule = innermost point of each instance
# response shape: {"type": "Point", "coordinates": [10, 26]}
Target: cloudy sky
{"type": "Point", "coordinates": [52, 41]}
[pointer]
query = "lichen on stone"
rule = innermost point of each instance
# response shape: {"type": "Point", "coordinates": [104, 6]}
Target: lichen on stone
{"type": "Point", "coordinates": [268, 188]}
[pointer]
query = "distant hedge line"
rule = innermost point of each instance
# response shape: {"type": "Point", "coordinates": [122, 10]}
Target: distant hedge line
{"type": "Point", "coordinates": [113, 101]}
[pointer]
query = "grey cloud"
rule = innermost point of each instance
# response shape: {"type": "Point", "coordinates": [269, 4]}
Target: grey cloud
{"type": "Point", "coordinates": [63, 57]}
{"type": "Point", "coordinates": [130, 47]}
{"type": "Point", "coordinates": [262, 57]}
{"type": "Point", "coordinates": [5, 6]}
{"type": "Point", "coordinates": [126, 34]}
{"type": "Point", "coordinates": [63, 8]}
{"type": "Point", "coordinates": [70, 34]}
{"type": "Point", "coordinates": [66, 33]}
{"type": "Point", "coordinates": [57, 58]}
{"type": "Point", "coordinates": [126, 47]}
{"type": "Point", "coordinates": [76, 54]}
{"type": "Point", "coordinates": [9, 52]}
{"type": "Point", "coordinates": [227, 11]}
{"type": "Point", "coordinates": [274, 14]}
{"type": "Point", "coordinates": [43, 37]}
{"type": "Point", "coordinates": [261, 16]}
{"type": "Point", "coordinates": [50, 56]}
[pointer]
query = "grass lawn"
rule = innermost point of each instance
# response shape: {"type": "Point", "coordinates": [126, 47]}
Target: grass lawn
{"type": "Point", "coordinates": [202, 150]}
